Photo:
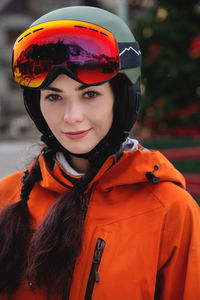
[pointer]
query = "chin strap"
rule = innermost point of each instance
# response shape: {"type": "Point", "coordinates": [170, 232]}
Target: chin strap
{"type": "Point", "coordinates": [104, 148]}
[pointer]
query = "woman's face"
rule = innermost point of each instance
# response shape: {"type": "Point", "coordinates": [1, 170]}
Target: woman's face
{"type": "Point", "coordinates": [78, 116]}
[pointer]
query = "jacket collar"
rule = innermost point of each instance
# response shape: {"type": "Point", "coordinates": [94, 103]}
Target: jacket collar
{"type": "Point", "coordinates": [129, 166]}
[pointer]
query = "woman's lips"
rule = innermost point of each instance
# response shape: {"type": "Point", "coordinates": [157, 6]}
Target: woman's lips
{"type": "Point", "coordinates": [73, 135]}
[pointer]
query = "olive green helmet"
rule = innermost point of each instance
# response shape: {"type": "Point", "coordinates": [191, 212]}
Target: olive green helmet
{"type": "Point", "coordinates": [126, 85]}
{"type": "Point", "coordinates": [110, 22]}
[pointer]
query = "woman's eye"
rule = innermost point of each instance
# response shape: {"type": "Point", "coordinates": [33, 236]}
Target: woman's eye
{"type": "Point", "coordinates": [90, 94]}
{"type": "Point", "coordinates": [53, 97]}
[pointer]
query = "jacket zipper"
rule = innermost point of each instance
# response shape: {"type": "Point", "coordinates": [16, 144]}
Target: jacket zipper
{"type": "Point", "coordinates": [94, 276]}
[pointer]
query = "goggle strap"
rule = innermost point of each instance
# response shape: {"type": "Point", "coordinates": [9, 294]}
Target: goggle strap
{"type": "Point", "coordinates": [129, 55]}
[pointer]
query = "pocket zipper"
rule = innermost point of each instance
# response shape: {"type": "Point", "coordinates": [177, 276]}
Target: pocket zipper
{"type": "Point", "coordinates": [94, 276]}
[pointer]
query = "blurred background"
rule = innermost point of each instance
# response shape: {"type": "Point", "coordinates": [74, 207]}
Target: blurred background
{"type": "Point", "coordinates": [168, 32]}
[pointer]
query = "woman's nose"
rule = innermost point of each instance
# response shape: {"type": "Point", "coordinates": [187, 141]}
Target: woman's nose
{"type": "Point", "coordinates": [73, 113]}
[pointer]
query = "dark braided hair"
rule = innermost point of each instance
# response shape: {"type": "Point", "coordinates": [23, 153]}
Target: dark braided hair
{"type": "Point", "coordinates": [57, 242]}
{"type": "Point", "coordinates": [15, 232]}
{"type": "Point", "coordinates": [50, 258]}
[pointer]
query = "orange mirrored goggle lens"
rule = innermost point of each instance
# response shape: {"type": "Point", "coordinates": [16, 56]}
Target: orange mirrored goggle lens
{"type": "Point", "coordinates": [90, 52]}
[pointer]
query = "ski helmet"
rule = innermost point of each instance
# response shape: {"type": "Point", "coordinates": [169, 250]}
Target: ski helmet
{"type": "Point", "coordinates": [127, 76]}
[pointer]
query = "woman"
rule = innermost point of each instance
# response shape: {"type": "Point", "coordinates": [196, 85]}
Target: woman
{"type": "Point", "coordinates": [96, 216]}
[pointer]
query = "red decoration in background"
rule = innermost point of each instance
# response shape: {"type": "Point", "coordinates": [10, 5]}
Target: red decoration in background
{"type": "Point", "coordinates": [154, 52]}
{"type": "Point", "coordinates": [184, 112]}
{"type": "Point", "coordinates": [159, 102]}
{"type": "Point", "coordinates": [194, 50]}
{"type": "Point", "coordinates": [166, 126]}
{"type": "Point", "coordinates": [189, 132]}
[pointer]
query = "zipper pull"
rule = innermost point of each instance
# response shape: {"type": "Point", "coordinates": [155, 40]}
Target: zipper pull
{"type": "Point", "coordinates": [97, 257]}
{"type": "Point", "coordinates": [96, 275]}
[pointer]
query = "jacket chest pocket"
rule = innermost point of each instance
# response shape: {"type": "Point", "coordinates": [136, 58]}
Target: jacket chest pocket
{"type": "Point", "coordinates": [93, 276]}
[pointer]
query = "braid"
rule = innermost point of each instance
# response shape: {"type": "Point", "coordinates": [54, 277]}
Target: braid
{"type": "Point", "coordinates": [55, 245]}
{"type": "Point", "coordinates": [57, 242]}
{"type": "Point", "coordinates": [15, 232]}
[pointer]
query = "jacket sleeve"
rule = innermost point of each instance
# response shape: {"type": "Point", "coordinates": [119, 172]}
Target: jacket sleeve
{"type": "Point", "coordinates": [178, 274]}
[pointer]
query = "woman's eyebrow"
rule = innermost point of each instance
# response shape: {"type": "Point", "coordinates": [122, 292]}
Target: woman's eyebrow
{"type": "Point", "coordinates": [82, 87]}
{"type": "Point", "coordinates": [51, 88]}
{"type": "Point", "coordinates": [54, 89]}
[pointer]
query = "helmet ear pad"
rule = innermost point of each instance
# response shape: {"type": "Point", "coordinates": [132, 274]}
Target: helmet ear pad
{"type": "Point", "coordinates": [127, 104]}
{"type": "Point", "coordinates": [32, 105]}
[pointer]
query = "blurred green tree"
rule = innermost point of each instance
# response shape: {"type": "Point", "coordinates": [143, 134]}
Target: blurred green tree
{"type": "Point", "coordinates": [169, 37]}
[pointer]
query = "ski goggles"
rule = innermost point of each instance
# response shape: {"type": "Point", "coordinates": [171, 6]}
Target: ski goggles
{"type": "Point", "coordinates": [89, 53]}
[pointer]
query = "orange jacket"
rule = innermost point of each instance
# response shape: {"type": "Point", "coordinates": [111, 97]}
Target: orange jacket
{"type": "Point", "coordinates": [148, 235]}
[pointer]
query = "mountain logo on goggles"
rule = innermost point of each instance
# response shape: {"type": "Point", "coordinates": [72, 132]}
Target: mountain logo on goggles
{"type": "Point", "coordinates": [130, 48]}
{"type": "Point", "coordinates": [130, 55]}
